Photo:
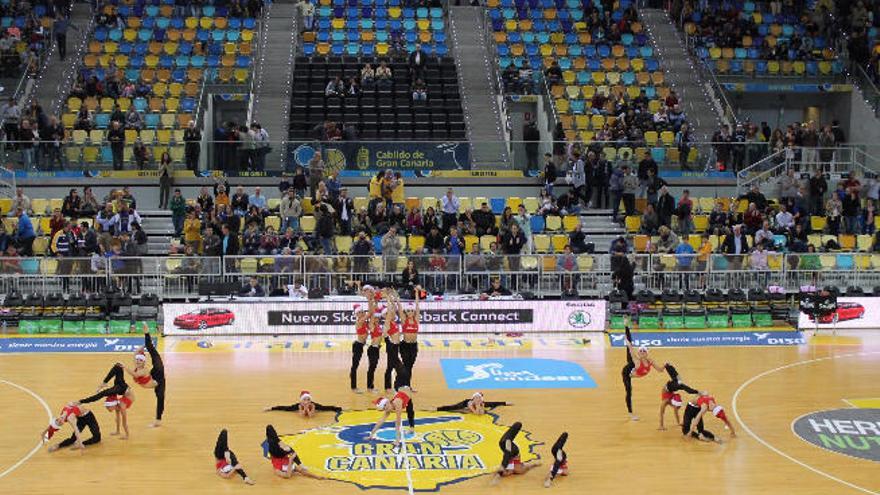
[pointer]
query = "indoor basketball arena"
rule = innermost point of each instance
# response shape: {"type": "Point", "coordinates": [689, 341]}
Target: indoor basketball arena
{"type": "Point", "coordinates": [469, 247]}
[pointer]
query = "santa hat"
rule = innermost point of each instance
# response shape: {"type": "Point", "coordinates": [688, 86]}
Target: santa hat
{"type": "Point", "coordinates": [477, 394]}
{"type": "Point", "coordinates": [718, 411]}
{"type": "Point", "coordinates": [139, 356]}
{"type": "Point", "coordinates": [380, 403]}
{"type": "Point", "coordinates": [305, 395]}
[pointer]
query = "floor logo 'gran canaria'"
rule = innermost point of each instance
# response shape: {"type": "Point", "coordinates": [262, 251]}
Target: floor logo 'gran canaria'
{"type": "Point", "coordinates": [447, 448]}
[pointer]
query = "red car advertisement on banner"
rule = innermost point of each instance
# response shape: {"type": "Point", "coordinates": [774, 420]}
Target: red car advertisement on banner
{"type": "Point", "coordinates": [205, 318]}
{"type": "Point", "coordinates": [851, 312]}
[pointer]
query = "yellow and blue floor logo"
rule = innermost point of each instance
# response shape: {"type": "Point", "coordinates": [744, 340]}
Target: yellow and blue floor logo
{"type": "Point", "coordinates": [447, 448]}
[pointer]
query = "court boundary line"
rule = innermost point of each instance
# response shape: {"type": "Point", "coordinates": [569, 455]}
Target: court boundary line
{"type": "Point", "coordinates": [779, 452]}
{"type": "Point", "coordinates": [405, 456]}
{"type": "Point", "coordinates": [39, 445]}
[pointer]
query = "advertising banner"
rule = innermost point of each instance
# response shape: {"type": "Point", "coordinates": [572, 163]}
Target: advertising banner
{"type": "Point", "coordinates": [710, 339]}
{"type": "Point", "coordinates": [70, 344]}
{"type": "Point", "coordinates": [398, 156]}
{"type": "Point", "coordinates": [326, 317]}
{"type": "Point", "coordinates": [852, 312]}
{"type": "Point", "coordinates": [482, 374]}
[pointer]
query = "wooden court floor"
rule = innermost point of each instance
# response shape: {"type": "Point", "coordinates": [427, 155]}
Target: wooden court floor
{"type": "Point", "coordinates": [608, 454]}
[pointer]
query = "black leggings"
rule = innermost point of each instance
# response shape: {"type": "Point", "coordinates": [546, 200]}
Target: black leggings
{"type": "Point", "coordinates": [626, 374]}
{"type": "Point", "coordinates": [508, 453]}
{"type": "Point", "coordinates": [409, 351]}
{"type": "Point", "coordinates": [119, 386]}
{"type": "Point", "coordinates": [393, 363]}
{"type": "Point", "coordinates": [690, 412]}
{"type": "Point", "coordinates": [158, 374]}
{"type": "Point", "coordinates": [674, 385]}
{"type": "Point", "coordinates": [222, 448]}
{"type": "Point", "coordinates": [373, 359]}
{"type": "Point", "coordinates": [295, 408]}
{"type": "Point", "coordinates": [463, 406]}
{"type": "Point", "coordinates": [559, 455]}
{"type": "Point", "coordinates": [357, 351]}
{"type": "Point", "coordinates": [89, 421]}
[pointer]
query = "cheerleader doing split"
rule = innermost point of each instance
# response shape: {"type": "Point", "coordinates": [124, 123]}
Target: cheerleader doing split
{"type": "Point", "coordinates": [119, 387]}
{"type": "Point", "coordinates": [510, 461]}
{"type": "Point", "coordinates": [79, 418]}
{"type": "Point", "coordinates": [560, 460]}
{"type": "Point", "coordinates": [630, 370]}
{"type": "Point", "coordinates": [225, 461]}
{"type": "Point", "coordinates": [284, 459]}
{"type": "Point", "coordinates": [306, 407]}
{"type": "Point", "coordinates": [474, 405]}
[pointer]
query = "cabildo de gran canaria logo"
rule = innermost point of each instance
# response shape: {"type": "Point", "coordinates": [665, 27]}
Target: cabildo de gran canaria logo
{"type": "Point", "coordinates": [446, 448]}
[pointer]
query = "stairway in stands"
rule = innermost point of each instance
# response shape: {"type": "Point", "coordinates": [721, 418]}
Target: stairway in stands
{"type": "Point", "coordinates": [600, 228]}
{"type": "Point", "coordinates": [479, 96]}
{"type": "Point", "coordinates": [273, 74]}
{"type": "Point", "coordinates": [54, 84]}
{"type": "Point", "coordinates": [157, 224]}
{"type": "Point", "coordinates": [680, 72]}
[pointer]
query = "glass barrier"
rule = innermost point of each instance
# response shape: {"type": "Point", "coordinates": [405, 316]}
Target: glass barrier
{"type": "Point", "coordinates": [543, 275]}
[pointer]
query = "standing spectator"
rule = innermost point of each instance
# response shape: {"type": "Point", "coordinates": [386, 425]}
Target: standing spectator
{"type": "Point", "coordinates": [228, 242]}
{"type": "Point", "coordinates": [818, 188]}
{"type": "Point", "coordinates": [90, 205]}
{"type": "Point", "coordinates": [684, 212]}
{"type": "Point", "coordinates": [390, 249]}
{"type": "Point", "coordinates": [299, 184]}
{"type": "Point", "coordinates": [257, 199]}
{"type": "Point", "coordinates": [417, 61]}
{"type": "Point", "coordinates": [665, 207]}
{"type": "Point", "coordinates": [22, 201]}
{"type": "Point", "coordinates": [240, 201]}
{"type": "Point", "coordinates": [579, 178]}
{"type": "Point", "coordinates": [721, 144]}
{"type": "Point", "coordinates": [454, 243]}
{"type": "Point", "coordinates": [116, 136]}
{"type": "Point", "coordinates": [25, 233]}
{"type": "Point", "coordinates": [290, 211]}
{"type": "Point", "coordinates": [166, 177]}
{"type": "Point", "coordinates": [513, 243]}
{"type": "Point", "coordinates": [51, 137]}
{"type": "Point", "coordinates": [833, 213]}
{"type": "Point", "coordinates": [851, 206]}
{"type": "Point", "coordinates": [192, 136]}
{"type": "Point", "coordinates": [788, 186]}
{"type": "Point", "coordinates": [261, 142]}
{"type": "Point", "coordinates": [630, 187]}
{"type": "Point", "coordinates": [316, 174]}
{"type": "Point", "coordinates": [27, 138]}
{"type": "Point", "coordinates": [826, 144]}
{"type": "Point", "coordinates": [192, 232]}
{"type": "Point", "coordinates": [449, 205]}
{"type": "Point", "coordinates": [344, 207]}
{"type": "Point", "coordinates": [178, 211]}
{"type": "Point", "coordinates": [683, 141]}
{"type": "Point", "coordinates": [550, 173]}
{"type": "Point", "coordinates": [616, 189]}
{"type": "Point", "coordinates": [325, 229]}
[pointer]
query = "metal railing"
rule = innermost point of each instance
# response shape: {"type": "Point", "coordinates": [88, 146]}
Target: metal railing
{"type": "Point", "coordinates": [837, 160]}
{"type": "Point", "coordinates": [178, 277]}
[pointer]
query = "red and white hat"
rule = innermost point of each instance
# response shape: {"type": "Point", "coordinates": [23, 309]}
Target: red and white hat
{"type": "Point", "coordinates": [139, 356]}
{"type": "Point", "coordinates": [305, 395]}
{"type": "Point", "coordinates": [380, 403]}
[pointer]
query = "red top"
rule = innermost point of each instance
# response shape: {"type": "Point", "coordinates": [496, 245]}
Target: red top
{"type": "Point", "coordinates": [410, 326]}
{"type": "Point", "coordinates": [643, 369]}
{"type": "Point", "coordinates": [361, 330]}
{"type": "Point", "coordinates": [404, 399]}
{"type": "Point", "coordinates": [375, 332]}
{"type": "Point", "coordinates": [393, 328]}
{"type": "Point", "coordinates": [70, 411]}
{"type": "Point", "coordinates": [143, 380]}
{"type": "Point", "coordinates": [705, 399]}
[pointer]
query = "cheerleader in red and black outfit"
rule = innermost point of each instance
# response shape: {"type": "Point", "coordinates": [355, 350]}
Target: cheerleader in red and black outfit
{"type": "Point", "coordinates": [692, 424]}
{"type": "Point", "coordinates": [306, 407]}
{"type": "Point", "coordinates": [560, 460]}
{"type": "Point", "coordinates": [79, 418]}
{"type": "Point", "coordinates": [119, 404]}
{"type": "Point", "coordinates": [361, 328]}
{"type": "Point", "coordinates": [409, 348]}
{"type": "Point", "coordinates": [401, 401]}
{"type": "Point", "coordinates": [630, 370]}
{"type": "Point", "coordinates": [153, 378]}
{"type": "Point", "coordinates": [670, 397]}
{"type": "Point", "coordinates": [510, 460]}
{"type": "Point", "coordinates": [474, 405]}
{"type": "Point", "coordinates": [284, 458]}
{"type": "Point", "coordinates": [391, 332]}
{"type": "Point", "coordinates": [225, 461]}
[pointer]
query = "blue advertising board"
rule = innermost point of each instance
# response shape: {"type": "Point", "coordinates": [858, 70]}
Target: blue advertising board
{"type": "Point", "coordinates": [481, 374]}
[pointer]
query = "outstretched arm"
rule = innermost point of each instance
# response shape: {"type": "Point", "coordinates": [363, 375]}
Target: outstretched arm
{"type": "Point", "coordinates": [379, 424]}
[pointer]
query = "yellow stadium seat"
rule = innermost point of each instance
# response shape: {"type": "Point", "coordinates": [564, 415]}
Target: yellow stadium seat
{"type": "Point", "coordinates": [553, 223]}
{"type": "Point", "coordinates": [307, 223]}
{"type": "Point", "coordinates": [633, 224]}
{"type": "Point", "coordinates": [343, 243]}
{"type": "Point", "coordinates": [416, 243]}
{"type": "Point", "coordinates": [486, 242]}
{"type": "Point", "coordinates": [570, 222]}
{"type": "Point", "coordinates": [542, 243]}
{"type": "Point", "coordinates": [559, 242]}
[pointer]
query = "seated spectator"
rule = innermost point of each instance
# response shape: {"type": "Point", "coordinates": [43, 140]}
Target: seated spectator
{"type": "Point", "coordinates": [352, 88]}
{"type": "Point", "coordinates": [255, 216]}
{"type": "Point", "coordinates": [526, 79]}
{"type": "Point", "coordinates": [764, 235]}
{"type": "Point", "coordinates": [434, 240]}
{"type": "Point", "coordinates": [362, 222]}
{"type": "Point", "coordinates": [577, 240]}
{"type": "Point", "coordinates": [297, 290]}
{"type": "Point", "coordinates": [368, 76]}
{"type": "Point", "coordinates": [335, 87]}
{"type": "Point", "coordinates": [784, 220]}
{"type": "Point", "coordinates": [269, 242]}
{"type": "Point", "coordinates": [71, 206]}
{"type": "Point", "coordinates": [667, 241]}
{"type": "Point", "coordinates": [419, 91]}
{"type": "Point", "coordinates": [414, 221]}
{"type": "Point", "coordinates": [257, 199]}
{"type": "Point", "coordinates": [510, 78]}
{"type": "Point", "coordinates": [495, 289]}
{"type": "Point", "coordinates": [251, 239]}
{"type": "Point", "coordinates": [83, 121]}
{"type": "Point", "coordinates": [554, 73]}
{"type": "Point", "coordinates": [252, 289]}
{"type": "Point", "coordinates": [133, 119]}
{"type": "Point", "coordinates": [753, 218]}
{"type": "Point", "coordinates": [383, 76]}
{"type": "Point", "coordinates": [650, 221]}
{"type": "Point", "coordinates": [485, 221]}
{"type": "Point", "coordinates": [240, 201]}
{"type": "Point", "coordinates": [141, 154]}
